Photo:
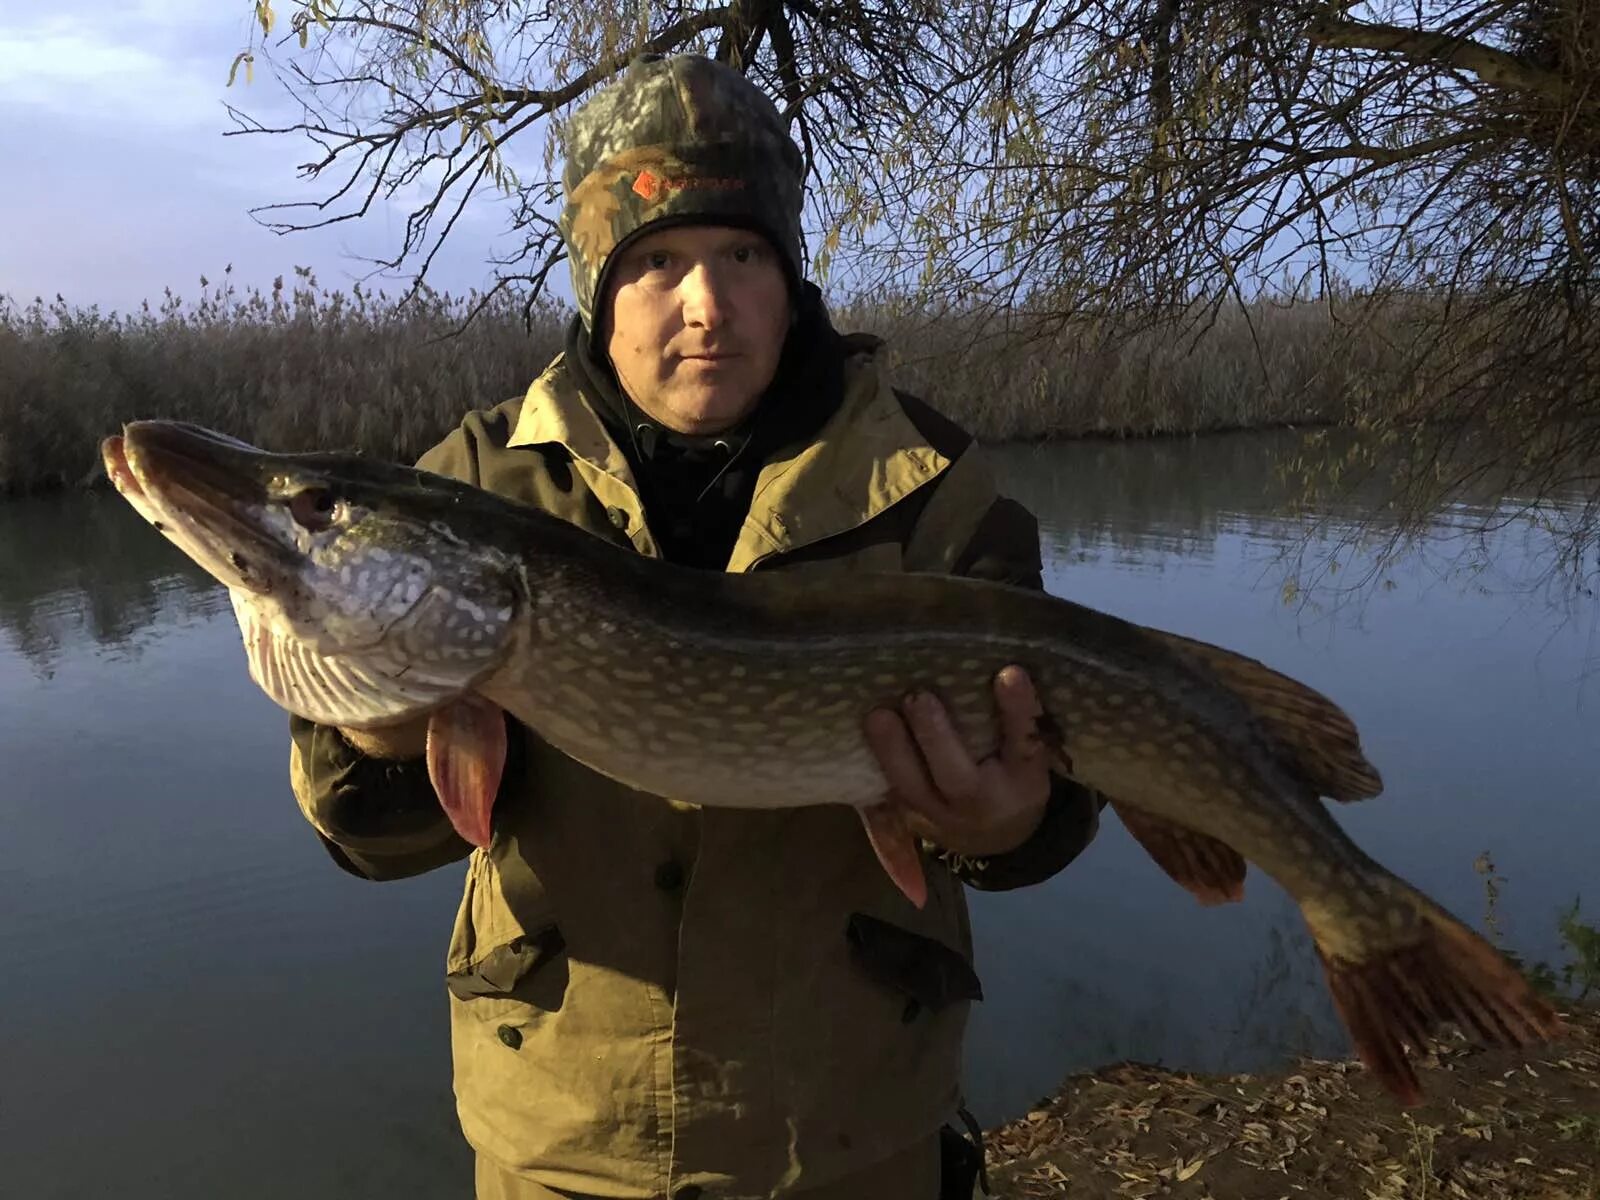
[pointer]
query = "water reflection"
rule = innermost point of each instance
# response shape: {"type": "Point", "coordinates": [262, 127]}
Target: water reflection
{"type": "Point", "coordinates": [1468, 688]}
{"type": "Point", "coordinates": [189, 939]}
{"type": "Point", "coordinates": [83, 568]}
{"type": "Point", "coordinates": [1182, 495]}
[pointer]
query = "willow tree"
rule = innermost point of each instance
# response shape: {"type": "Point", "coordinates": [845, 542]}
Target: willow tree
{"type": "Point", "coordinates": [1426, 171]}
{"type": "Point", "coordinates": [457, 98]}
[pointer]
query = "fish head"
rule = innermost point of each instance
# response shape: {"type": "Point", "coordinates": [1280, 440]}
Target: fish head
{"type": "Point", "coordinates": [362, 597]}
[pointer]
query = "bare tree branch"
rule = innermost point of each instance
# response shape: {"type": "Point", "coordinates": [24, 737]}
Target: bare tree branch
{"type": "Point", "coordinates": [1424, 48]}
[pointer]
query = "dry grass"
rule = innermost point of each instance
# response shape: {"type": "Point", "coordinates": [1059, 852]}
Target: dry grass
{"type": "Point", "coordinates": [1273, 366]}
{"type": "Point", "coordinates": [298, 367]}
{"type": "Point", "coordinates": [303, 366]}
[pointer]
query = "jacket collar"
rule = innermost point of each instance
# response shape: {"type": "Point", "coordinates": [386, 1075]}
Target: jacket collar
{"type": "Point", "coordinates": [867, 457]}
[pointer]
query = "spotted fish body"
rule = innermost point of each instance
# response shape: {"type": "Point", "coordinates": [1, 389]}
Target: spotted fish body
{"type": "Point", "coordinates": [371, 593]}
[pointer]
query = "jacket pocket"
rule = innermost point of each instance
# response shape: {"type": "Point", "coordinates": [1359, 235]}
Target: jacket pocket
{"type": "Point", "coordinates": [504, 968]}
{"type": "Point", "coordinates": [924, 970]}
{"type": "Point", "coordinates": [505, 940]}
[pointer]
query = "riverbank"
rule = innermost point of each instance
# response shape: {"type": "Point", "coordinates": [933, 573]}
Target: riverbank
{"type": "Point", "coordinates": [302, 367]}
{"type": "Point", "coordinates": [1497, 1125]}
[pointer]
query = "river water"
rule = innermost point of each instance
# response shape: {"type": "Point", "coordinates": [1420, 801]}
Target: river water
{"type": "Point", "coordinates": [197, 1003]}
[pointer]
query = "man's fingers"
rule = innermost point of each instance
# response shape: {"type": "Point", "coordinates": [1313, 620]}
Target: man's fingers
{"type": "Point", "coordinates": [900, 760]}
{"type": "Point", "coordinates": [919, 825]}
{"type": "Point", "coordinates": [1020, 711]}
{"type": "Point", "coordinates": [955, 775]}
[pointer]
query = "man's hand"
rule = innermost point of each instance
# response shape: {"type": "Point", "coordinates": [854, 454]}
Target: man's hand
{"type": "Point", "coordinates": [399, 742]}
{"type": "Point", "coordinates": [976, 809]}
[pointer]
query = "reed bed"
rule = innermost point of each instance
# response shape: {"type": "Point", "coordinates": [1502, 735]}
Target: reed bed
{"type": "Point", "coordinates": [1011, 378]}
{"type": "Point", "coordinates": [301, 366]}
{"type": "Point", "coordinates": [295, 367]}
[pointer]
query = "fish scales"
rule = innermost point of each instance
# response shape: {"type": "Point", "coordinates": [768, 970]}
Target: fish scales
{"type": "Point", "coordinates": [767, 709]}
{"type": "Point", "coordinates": [370, 593]}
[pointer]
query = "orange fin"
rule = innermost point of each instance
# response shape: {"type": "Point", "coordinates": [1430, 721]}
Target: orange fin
{"type": "Point", "coordinates": [466, 757]}
{"type": "Point", "coordinates": [1452, 975]}
{"type": "Point", "coordinates": [1321, 740]}
{"type": "Point", "coordinates": [1214, 871]}
{"type": "Point", "coordinates": [896, 848]}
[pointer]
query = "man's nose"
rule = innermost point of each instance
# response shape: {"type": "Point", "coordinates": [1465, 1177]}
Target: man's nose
{"type": "Point", "coordinates": [705, 296]}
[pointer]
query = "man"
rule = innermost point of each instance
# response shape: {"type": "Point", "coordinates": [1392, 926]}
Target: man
{"type": "Point", "coordinates": [648, 999]}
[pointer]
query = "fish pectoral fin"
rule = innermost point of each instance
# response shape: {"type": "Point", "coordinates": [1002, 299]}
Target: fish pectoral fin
{"type": "Point", "coordinates": [897, 849]}
{"type": "Point", "coordinates": [1398, 995]}
{"type": "Point", "coordinates": [1322, 741]}
{"type": "Point", "coordinates": [357, 690]}
{"type": "Point", "coordinates": [1213, 871]}
{"type": "Point", "coordinates": [466, 757]}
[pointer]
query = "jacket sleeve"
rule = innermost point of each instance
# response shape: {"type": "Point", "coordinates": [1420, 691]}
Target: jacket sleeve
{"type": "Point", "coordinates": [987, 536]}
{"type": "Point", "coordinates": [379, 819]}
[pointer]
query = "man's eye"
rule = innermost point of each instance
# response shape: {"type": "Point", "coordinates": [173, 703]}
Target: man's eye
{"type": "Point", "coordinates": [747, 253]}
{"type": "Point", "coordinates": [657, 260]}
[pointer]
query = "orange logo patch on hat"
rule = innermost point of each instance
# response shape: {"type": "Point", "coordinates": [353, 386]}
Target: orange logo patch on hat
{"type": "Point", "coordinates": [645, 185]}
{"type": "Point", "coordinates": [651, 186]}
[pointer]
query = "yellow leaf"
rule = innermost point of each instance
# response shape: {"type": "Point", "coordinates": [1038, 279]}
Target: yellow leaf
{"type": "Point", "coordinates": [1190, 1171]}
{"type": "Point", "coordinates": [248, 60]}
{"type": "Point", "coordinates": [265, 15]}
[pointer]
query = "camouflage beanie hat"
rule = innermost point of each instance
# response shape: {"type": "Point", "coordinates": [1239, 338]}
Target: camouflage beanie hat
{"type": "Point", "coordinates": [676, 140]}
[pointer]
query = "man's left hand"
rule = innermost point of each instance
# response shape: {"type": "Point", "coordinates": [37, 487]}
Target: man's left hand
{"type": "Point", "coordinates": [976, 809]}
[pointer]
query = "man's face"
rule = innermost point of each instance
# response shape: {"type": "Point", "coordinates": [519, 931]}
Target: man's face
{"type": "Point", "coordinates": [696, 320]}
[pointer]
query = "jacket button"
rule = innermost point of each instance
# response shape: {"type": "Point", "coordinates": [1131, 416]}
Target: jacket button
{"type": "Point", "coordinates": [618, 517]}
{"type": "Point", "coordinates": [510, 1036]}
{"type": "Point", "coordinates": [669, 875]}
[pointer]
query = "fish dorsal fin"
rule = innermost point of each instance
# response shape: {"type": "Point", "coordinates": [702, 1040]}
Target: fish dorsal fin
{"type": "Point", "coordinates": [1321, 740]}
{"type": "Point", "coordinates": [331, 690]}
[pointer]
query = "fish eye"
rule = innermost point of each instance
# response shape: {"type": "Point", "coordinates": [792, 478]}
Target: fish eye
{"type": "Point", "coordinates": [313, 508]}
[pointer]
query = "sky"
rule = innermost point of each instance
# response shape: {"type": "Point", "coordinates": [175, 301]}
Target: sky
{"type": "Point", "coordinates": [120, 182]}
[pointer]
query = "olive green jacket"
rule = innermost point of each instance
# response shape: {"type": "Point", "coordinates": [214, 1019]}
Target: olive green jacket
{"type": "Point", "coordinates": [645, 995]}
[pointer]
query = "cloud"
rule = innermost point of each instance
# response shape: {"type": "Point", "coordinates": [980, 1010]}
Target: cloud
{"type": "Point", "coordinates": [82, 68]}
{"type": "Point", "coordinates": [115, 119]}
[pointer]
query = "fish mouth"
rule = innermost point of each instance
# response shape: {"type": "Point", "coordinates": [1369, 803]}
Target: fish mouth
{"type": "Point", "coordinates": [205, 492]}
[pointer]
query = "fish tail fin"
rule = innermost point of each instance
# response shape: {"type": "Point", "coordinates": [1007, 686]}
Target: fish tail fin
{"type": "Point", "coordinates": [1401, 995]}
{"type": "Point", "coordinates": [1211, 870]}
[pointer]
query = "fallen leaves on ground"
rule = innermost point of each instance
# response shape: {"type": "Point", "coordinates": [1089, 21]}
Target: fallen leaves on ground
{"type": "Point", "coordinates": [1496, 1125]}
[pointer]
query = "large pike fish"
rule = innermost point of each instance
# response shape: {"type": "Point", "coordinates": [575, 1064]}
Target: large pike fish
{"type": "Point", "coordinates": [371, 594]}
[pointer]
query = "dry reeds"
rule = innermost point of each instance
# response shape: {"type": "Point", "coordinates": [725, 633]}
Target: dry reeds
{"type": "Point", "coordinates": [299, 367]}
{"type": "Point", "coordinates": [304, 367]}
{"type": "Point", "coordinates": [1016, 379]}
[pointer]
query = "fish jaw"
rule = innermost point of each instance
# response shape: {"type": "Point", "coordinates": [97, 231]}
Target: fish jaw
{"type": "Point", "coordinates": [353, 610]}
{"type": "Point", "coordinates": [216, 525]}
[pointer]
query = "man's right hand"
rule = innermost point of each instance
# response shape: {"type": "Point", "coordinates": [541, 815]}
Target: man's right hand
{"type": "Point", "coordinates": [391, 741]}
